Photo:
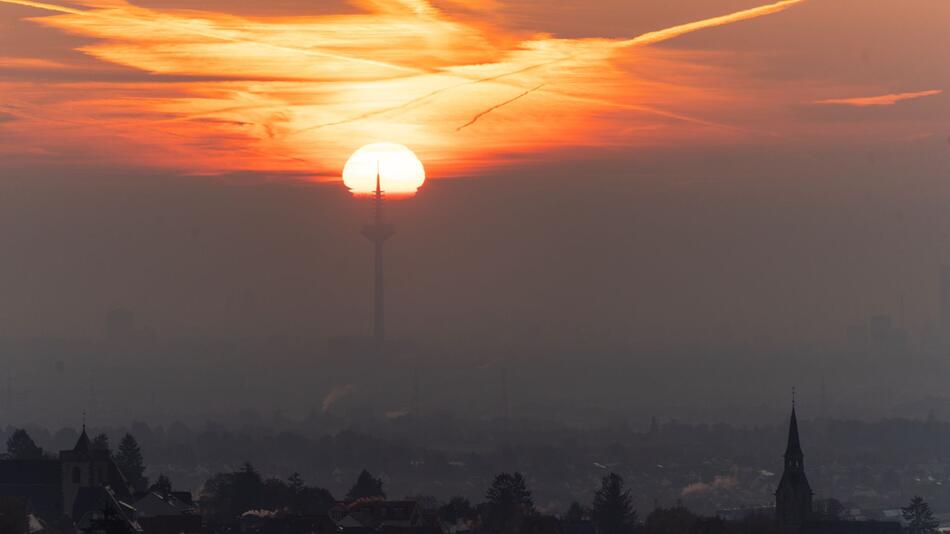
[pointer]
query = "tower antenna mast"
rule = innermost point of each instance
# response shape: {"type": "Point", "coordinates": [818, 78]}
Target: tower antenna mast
{"type": "Point", "coordinates": [377, 233]}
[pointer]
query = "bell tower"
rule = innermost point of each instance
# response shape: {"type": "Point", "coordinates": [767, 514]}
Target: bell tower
{"type": "Point", "coordinates": [793, 498]}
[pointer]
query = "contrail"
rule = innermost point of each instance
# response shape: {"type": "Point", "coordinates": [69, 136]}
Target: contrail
{"type": "Point", "coordinates": [738, 16]}
{"type": "Point", "coordinates": [47, 7]}
{"type": "Point", "coordinates": [641, 40]}
{"type": "Point", "coordinates": [212, 35]}
{"type": "Point", "coordinates": [496, 106]}
{"type": "Point", "coordinates": [423, 98]}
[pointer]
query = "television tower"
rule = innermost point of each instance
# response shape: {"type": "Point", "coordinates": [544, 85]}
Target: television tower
{"type": "Point", "coordinates": [378, 232]}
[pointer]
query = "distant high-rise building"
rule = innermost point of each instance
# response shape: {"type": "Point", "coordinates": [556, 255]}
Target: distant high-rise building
{"type": "Point", "coordinates": [793, 498]}
{"type": "Point", "coordinates": [945, 297]}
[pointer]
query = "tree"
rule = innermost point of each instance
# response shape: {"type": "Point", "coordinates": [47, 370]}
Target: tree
{"type": "Point", "coordinates": [100, 442]}
{"type": "Point", "coordinates": [708, 525]}
{"type": "Point", "coordinates": [456, 510]}
{"type": "Point", "coordinates": [366, 486]}
{"type": "Point", "coordinates": [576, 513]}
{"type": "Point", "coordinates": [509, 489]}
{"type": "Point", "coordinates": [276, 495]}
{"type": "Point", "coordinates": [130, 461]}
{"type": "Point", "coordinates": [612, 510]}
{"type": "Point", "coordinates": [226, 496]}
{"type": "Point", "coordinates": [674, 520]}
{"type": "Point", "coordinates": [216, 497]}
{"type": "Point", "coordinates": [298, 493]}
{"type": "Point", "coordinates": [295, 481]}
{"type": "Point", "coordinates": [20, 446]}
{"type": "Point", "coordinates": [314, 501]}
{"type": "Point", "coordinates": [508, 502]}
{"type": "Point", "coordinates": [162, 486]}
{"type": "Point", "coordinates": [920, 520]}
{"type": "Point", "coordinates": [248, 489]}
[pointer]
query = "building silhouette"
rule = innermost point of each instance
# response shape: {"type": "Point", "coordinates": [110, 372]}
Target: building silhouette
{"type": "Point", "coordinates": [793, 497]}
{"type": "Point", "coordinates": [377, 233]}
{"type": "Point", "coordinates": [77, 485]}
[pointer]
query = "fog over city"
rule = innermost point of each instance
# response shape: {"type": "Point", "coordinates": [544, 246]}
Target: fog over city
{"type": "Point", "coordinates": [603, 290]}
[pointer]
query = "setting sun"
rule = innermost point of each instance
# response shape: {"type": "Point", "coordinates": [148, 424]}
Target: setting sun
{"type": "Point", "coordinates": [400, 171]}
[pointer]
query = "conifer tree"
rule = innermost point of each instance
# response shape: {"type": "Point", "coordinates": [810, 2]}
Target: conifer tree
{"type": "Point", "coordinates": [612, 510]}
{"type": "Point", "coordinates": [130, 461]}
{"type": "Point", "coordinates": [100, 442]}
{"type": "Point", "coordinates": [920, 520]}
{"type": "Point", "coordinates": [20, 446]}
{"type": "Point", "coordinates": [366, 486]}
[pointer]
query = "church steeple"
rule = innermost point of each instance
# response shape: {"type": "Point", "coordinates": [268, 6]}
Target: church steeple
{"type": "Point", "coordinates": [793, 497]}
{"type": "Point", "coordinates": [83, 444]}
{"type": "Point", "coordinates": [794, 458]}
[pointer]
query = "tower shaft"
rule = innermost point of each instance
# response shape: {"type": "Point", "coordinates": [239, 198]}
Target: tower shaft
{"type": "Point", "coordinates": [379, 318]}
{"type": "Point", "coordinates": [378, 232]}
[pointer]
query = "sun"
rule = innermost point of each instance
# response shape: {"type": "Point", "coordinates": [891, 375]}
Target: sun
{"type": "Point", "coordinates": [400, 171]}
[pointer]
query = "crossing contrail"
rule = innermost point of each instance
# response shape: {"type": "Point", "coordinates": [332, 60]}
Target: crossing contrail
{"type": "Point", "coordinates": [496, 106]}
{"type": "Point", "coordinates": [641, 40]}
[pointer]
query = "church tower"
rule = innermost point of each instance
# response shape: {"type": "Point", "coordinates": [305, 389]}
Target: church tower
{"type": "Point", "coordinates": [85, 468]}
{"type": "Point", "coordinates": [793, 496]}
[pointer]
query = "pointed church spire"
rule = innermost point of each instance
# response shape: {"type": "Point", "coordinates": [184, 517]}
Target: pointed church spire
{"type": "Point", "coordinates": [793, 449]}
{"type": "Point", "coordinates": [793, 497]}
{"type": "Point", "coordinates": [83, 444]}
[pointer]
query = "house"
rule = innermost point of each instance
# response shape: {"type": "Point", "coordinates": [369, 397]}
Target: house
{"type": "Point", "coordinates": [365, 516]}
{"type": "Point", "coordinates": [171, 513]}
{"type": "Point", "coordinates": [270, 522]}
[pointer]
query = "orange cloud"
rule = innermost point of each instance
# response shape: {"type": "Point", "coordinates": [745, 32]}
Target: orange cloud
{"type": "Point", "coordinates": [720, 482]}
{"type": "Point", "coordinates": [299, 94]}
{"type": "Point", "coordinates": [880, 100]}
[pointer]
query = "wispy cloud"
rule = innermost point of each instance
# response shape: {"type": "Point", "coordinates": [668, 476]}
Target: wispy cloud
{"type": "Point", "coordinates": [878, 100]}
{"type": "Point", "coordinates": [298, 94]}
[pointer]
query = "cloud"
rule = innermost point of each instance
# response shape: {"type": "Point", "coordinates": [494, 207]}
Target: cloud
{"type": "Point", "coordinates": [6, 117]}
{"type": "Point", "coordinates": [7, 62]}
{"type": "Point", "coordinates": [719, 482]}
{"type": "Point", "coordinates": [335, 394]}
{"type": "Point", "coordinates": [298, 94]}
{"type": "Point", "coordinates": [879, 100]}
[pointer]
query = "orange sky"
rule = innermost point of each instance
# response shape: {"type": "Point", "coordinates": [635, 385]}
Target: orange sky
{"type": "Point", "coordinates": [468, 85]}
